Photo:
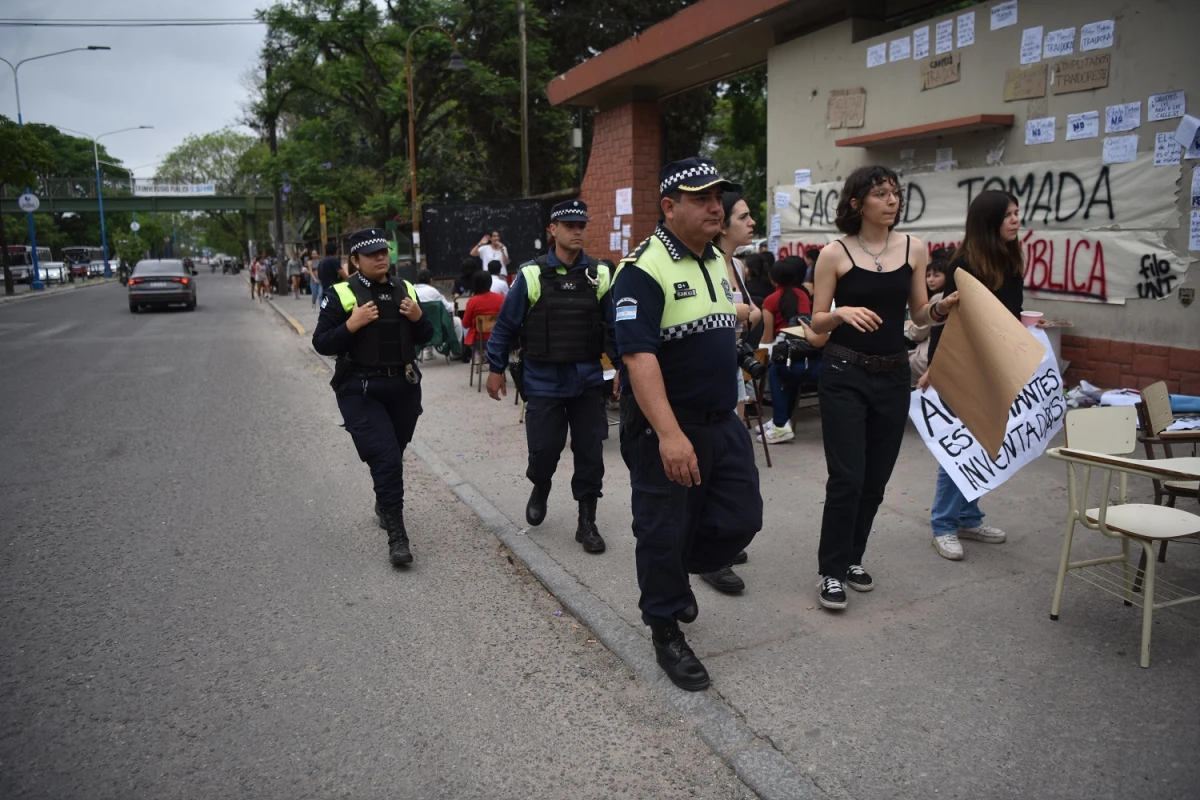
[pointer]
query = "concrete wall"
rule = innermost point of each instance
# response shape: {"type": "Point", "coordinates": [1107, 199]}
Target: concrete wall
{"type": "Point", "coordinates": [1155, 50]}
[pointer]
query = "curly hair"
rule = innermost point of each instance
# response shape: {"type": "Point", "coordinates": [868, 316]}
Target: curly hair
{"type": "Point", "coordinates": [858, 185]}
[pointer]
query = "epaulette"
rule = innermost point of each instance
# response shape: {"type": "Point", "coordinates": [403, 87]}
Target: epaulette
{"type": "Point", "coordinates": [637, 252]}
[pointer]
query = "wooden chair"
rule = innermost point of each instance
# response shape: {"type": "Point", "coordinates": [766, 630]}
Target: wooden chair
{"type": "Point", "coordinates": [1097, 440]}
{"type": "Point", "coordinates": [760, 391]}
{"type": "Point", "coordinates": [1154, 417]}
{"type": "Point", "coordinates": [483, 330]}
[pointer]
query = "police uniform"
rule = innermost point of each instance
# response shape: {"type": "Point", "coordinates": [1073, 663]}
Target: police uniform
{"type": "Point", "coordinates": [377, 382]}
{"type": "Point", "coordinates": [558, 315]}
{"type": "Point", "coordinates": [679, 305]}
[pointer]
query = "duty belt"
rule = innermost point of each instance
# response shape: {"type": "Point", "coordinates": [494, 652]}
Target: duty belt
{"type": "Point", "coordinates": [869, 363]}
{"type": "Point", "coordinates": [691, 416]}
{"type": "Point", "coordinates": [405, 371]}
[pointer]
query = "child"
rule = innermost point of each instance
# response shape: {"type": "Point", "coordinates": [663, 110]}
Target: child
{"type": "Point", "coordinates": [935, 281]}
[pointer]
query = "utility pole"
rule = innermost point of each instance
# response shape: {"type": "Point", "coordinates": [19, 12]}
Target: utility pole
{"type": "Point", "coordinates": [8, 281]}
{"type": "Point", "coordinates": [524, 103]}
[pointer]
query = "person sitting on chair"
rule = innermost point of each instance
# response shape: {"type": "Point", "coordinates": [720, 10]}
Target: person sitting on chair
{"type": "Point", "coordinates": [794, 361]}
{"type": "Point", "coordinates": [483, 302]}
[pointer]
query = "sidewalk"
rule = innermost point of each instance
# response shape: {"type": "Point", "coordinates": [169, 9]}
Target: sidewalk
{"type": "Point", "coordinates": [25, 293]}
{"type": "Point", "coordinates": [949, 679]}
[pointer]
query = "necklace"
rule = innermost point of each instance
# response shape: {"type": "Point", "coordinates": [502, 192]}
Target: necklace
{"type": "Point", "coordinates": [876, 256]}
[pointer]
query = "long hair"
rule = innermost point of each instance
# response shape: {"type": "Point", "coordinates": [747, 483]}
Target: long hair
{"type": "Point", "coordinates": [989, 258]}
{"type": "Point", "coordinates": [481, 283]}
{"type": "Point", "coordinates": [787, 273]}
{"type": "Point", "coordinates": [858, 185]}
{"type": "Point", "coordinates": [728, 201]}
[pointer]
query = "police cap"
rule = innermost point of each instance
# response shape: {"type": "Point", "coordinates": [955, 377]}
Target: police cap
{"type": "Point", "coordinates": [692, 175]}
{"type": "Point", "coordinates": [367, 241]}
{"type": "Point", "coordinates": [569, 211]}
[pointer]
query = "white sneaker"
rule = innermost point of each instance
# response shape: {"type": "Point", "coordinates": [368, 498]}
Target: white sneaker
{"type": "Point", "coordinates": [984, 533]}
{"type": "Point", "coordinates": [948, 546]}
{"type": "Point", "coordinates": [777, 435]}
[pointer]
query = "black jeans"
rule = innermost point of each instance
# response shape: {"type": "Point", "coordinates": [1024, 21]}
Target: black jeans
{"type": "Point", "coordinates": [381, 414]}
{"type": "Point", "coordinates": [862, 423]}
{"type": "Point", "coordinates": [546, 423]}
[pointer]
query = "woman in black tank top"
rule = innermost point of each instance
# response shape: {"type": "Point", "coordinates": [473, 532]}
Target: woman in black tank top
{"type": "Point", "coordinates": [872, 274]}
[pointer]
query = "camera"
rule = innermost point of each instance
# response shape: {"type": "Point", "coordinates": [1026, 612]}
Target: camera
{"type": "Point", "coordinates": [748, 361]}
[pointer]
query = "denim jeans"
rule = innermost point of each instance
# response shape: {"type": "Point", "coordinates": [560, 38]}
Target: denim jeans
{"type": "Point", "coordinates": [785, 385]}
{"type": "Point", "coordinates": [951, 510]}
{"type": "Point", "coordinates": [316, 291]}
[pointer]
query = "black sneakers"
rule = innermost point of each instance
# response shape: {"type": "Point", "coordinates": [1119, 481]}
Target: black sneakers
{"type": "Point", "coordinates": [833, 596]}
{"type": "Point", "coordinates": [859, 579]}
{"type": "Point", "coordinates": [740, 558]}
{"type": "Point", "coordinates": [677, 659]}
{"type": "Point", "coordinates": [724, 580]}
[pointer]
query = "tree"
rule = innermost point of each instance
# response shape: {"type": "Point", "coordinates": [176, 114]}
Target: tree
{"type": "Point", "coordinates": [736, 138]}
{"type": "Point", "coordinates": [21, 155]}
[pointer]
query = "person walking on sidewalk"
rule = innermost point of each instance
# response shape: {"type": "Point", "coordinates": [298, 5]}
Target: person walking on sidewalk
{"type": "Point", "coordinates": [374, 325]}
{"type": "Point", "coordinates": [558, 311]}
{"type": "Point", "coordinates": [990, 252]}
{"type": "Point", "coordinates": [872, 274]}
{"type": "Point", "coordinates": [294, 270]}
{"type": "Point", "coordinates": [696, 501]}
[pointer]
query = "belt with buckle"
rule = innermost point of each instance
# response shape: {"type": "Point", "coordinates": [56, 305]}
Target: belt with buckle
{"type": "Point", "coordinates": [691, 416]}
{"type": "Point", "coordinates": [405, 371]}
{"type": "Point", "coordinates": [868, 362]}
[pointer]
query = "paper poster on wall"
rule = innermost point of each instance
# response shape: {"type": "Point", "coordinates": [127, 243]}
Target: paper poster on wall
{"type": "Point", "coordinates": [773, 244]}
{"type": "Point", "coordinates": [1120, 149]}
{"type": "Point", "coordinates": [1096, 36]}
{"type": "Point", "coordinates": [1187, 133]}
{"type": "Point", "coordinates": [900, 49]}
{"type": "Point", "coordinates": [1083, 126]}
{"type": "Point", "coordinates": [921, 43]}
{"type": "Point", "coordinates": [1195, 186]}
{"type": "Point", "coordinates": [941, 70]}
{"type": "Point", "coordinates": [1004, 15]}
{"type": "Point", "coordinates": [1122, 117]}
{"type": "Point", "coordinates": [966, 29]}
{"type": "Point", "coordinates": [1168, 105]}
{"type": "Point", "coordinates": [624, 245]}
{"type": "Point", "coordinates": [1192, 152]}
{"type": "Point", "coordinates": [1194, 231]}
{"type": "Point", "coordinates": [1025, 83]}
{"type": "Point", "coordinates": [614, 241]}
{"type": "Point", "coordinates": [626, 231]}
{"type": "Point", "coordinates": [847, 108]}
{"type": "Point", "coordinates": [775, 227]}
{"type": "Point", "coordinates": [943, 159]}
{"type": "Point", "coordinates": [1031, 45]}
{"type": "Point", "coordinates": [1035, 417]}
{"type": "Point", "coordinates": [1060, 43]}
{"type": "Point", "coordinates": [782, 199]}
{"type": "Point", "coordinates": [1039, 131]}
{"type": "Point", "coordinates": [1167, 152]}
{"type": "Point", "coordinates": [616, 223]}
{"type": "Point", "coordinates": [877, 55]}
{"type": "Point", "coordinates": [625, 200]}
{"type": "Point", "coordinates": [943, 37]}
{"type": "Point", "coordinates": [803, 178]}
{"type": "Point", "coordinates": [1080, 74]}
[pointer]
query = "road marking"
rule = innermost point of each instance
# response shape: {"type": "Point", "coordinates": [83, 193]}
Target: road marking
{"type": "Point", "coordinates": [46, 334]}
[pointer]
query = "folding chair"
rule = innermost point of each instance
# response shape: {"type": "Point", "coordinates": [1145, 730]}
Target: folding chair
{"type": "Point", "coordinates": [1097, 439]}
{"type": "Point", "coordinates": [483, 331]}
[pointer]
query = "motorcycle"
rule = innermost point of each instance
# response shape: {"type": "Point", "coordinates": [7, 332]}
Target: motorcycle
{"type": "Point", "coordinates": [123, 273]}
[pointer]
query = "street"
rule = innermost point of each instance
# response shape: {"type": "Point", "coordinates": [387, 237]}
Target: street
{"type": "Point", "coordinates": [197, 601]}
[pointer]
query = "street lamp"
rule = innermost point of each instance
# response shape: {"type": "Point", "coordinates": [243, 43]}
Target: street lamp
{"type": "Point", "coordinates": [36, 282]}
{"type": "Point", "coordinates": [99, 184]}
{"type": "Point", "coordinates": [456, 65]}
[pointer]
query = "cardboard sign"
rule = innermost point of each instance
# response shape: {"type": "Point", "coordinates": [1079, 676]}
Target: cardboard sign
{"type": "Point", "coordinates": [983, 361]}
{"type": "Point", "coordinates": [1034, 418]}
{"type": "Point", "coordinates": [940, 70]}
{"type": "Point", "coordinates": [1081, 73]}
{"type": "Point", "coordinates": [1025, 83]}
{"type": "Point", "coordinates": [847, 108]}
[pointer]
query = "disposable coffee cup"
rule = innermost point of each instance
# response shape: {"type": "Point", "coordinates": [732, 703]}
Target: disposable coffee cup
{"type": "Point", "coordinates": [1030, 319]}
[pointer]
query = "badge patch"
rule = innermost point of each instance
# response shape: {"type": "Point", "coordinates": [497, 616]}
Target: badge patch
{"type": "Point", "coordinates": [682, 290]}
{"type": "Point", "coordinates": [324, 301]}
{"type": "Point", "coordinates": [728, 291]}
{"type": "Point", "coordinates": [627, 301]}
{"type": "Point", "coordinates": [389, 297]}
{"type": "Point", "coordinates": [625, 313]}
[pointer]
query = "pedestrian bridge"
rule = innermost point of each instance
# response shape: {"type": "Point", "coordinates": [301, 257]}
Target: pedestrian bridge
{"type": "Point", "coordinates": [78, 195]}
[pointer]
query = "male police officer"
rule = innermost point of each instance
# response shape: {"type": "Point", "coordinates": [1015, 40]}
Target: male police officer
{"type": "Point", "coordinates": [559, 310]}
{"type": "Point", "coordinates": [375, 328]}
{"type": "Point", "coordinates": [696, 500]}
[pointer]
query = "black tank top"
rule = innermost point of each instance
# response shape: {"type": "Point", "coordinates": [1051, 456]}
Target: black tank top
{"type": "Point", "coordinates": [885, 293]}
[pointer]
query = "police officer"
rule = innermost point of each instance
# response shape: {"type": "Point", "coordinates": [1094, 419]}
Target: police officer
{"type": "Point", "coordinates": [696, 500]}
{"type": "Point", "coordinates": [558, 311]}
{"type": "Point", "coordinates": [374, 325]}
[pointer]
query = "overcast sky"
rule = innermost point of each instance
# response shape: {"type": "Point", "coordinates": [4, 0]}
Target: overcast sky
{"type": "Point", "coordinates": [180, 80]}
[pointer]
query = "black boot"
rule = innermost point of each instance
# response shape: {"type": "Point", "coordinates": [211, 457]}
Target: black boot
{"type": "Point", "coordinates": [689, 613]}
{"type": "Point", "coordinates": [587, 534]}
{"type": "Point", "coordinates": [398, 550]}
{"type": "Point", "coordinates": [535, 509]}
{"type": "Point", "coordinates": [677, 659]}
{"type": "Point", "coordinates": [379, 516]}
{"type": "Point", "coordinates": [724, 580]}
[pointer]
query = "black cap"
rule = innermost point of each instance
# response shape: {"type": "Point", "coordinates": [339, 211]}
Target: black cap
{"type": "Point", "coordinates": [367, 241]}
{"type": "Point", "coordinates": [569, 211]}
{"type": "Point", "coordinates": [692, 175]}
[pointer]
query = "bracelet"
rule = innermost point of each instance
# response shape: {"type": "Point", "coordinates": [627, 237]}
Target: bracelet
{"type": "Point", "coordinates": [934, 315]}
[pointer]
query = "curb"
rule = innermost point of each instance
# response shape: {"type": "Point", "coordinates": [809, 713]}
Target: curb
{"type": "Point", "coordinates": [754, 758]}
{"type": "Point", "coordinates": [30, 295]}
{"type": "Point", "coordinates": [287, 317]}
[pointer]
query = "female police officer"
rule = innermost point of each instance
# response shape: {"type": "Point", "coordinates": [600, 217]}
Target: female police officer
{"type": "Point", "coordinates": [374, 326]}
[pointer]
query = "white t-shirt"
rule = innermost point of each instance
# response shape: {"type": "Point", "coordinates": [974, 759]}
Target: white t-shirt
{"type": "Point", "coordinates": [499, 285]}
{"type": "Point", "coordinates": [427, 294]}
{"type": "Point", "coordinates": [488, 254]}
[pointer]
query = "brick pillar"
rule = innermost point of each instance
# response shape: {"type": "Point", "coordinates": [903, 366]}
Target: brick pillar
{"type": "Point", "coordinates": [626, 153]}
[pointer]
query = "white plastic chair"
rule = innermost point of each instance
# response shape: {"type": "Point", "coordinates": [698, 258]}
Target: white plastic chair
{"type": "Point", "coordinates": [1097, 438]}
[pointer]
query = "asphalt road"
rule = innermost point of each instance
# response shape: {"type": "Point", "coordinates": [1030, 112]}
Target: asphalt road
{"type": "Point", "coordinates": [196, 601]}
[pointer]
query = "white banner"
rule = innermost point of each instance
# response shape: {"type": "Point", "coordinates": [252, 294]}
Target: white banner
{"type": "Point", "coordinates": [1033, 421]}
{"type": "Point", "coordinates": [156, 189]}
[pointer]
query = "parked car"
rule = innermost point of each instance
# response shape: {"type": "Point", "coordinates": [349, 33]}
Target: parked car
{"type": "Point", "coordinates": [161, 282]}
{"type": "Point", "coordinates": [54, 271]}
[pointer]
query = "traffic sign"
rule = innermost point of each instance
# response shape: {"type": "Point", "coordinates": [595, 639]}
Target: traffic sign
{"type": "Point", "coordinates": [28, 202]}
{"type": "Point", "coordinates": [134, 226]}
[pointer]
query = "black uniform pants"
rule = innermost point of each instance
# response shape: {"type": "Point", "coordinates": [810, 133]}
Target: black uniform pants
{"type": "Point", "coordinates": [546, 422]}
{"type": "Point", "coordinates": [695, 529]}
{"type": "Point", "coordinates": [381, 413]}
{"type": "Point", "coordinates": [862, 423]}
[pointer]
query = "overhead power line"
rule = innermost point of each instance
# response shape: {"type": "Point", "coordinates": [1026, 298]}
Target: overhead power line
{"type": "Point", "coordinates": [195, 22]}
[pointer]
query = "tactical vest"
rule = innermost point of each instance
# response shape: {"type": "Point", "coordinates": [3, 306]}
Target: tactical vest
{"type": "Point", "coordinates": [564, 324]}
{"type": "Point", "coordinates": [388, 341]}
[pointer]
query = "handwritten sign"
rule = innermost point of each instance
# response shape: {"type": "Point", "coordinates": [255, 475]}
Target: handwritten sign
{"type": "Point", "coordinates": [1122, 117]}
{"type": "Point", "coordinates": [1060, 43]}
{"type": "Point", "coordinates": [1194, 231]}
{"type": "Point", "coordinates": [775, 225]}
{"type": "Point", "coordinates": [1083, 126]}
{"type": "Point", "coordinates": [940, 70]}
{"type": "Point", "coordinates": [1167, 151]}
{"type": "Point", "coordinates": [803, 178]}
{"type": "Point", "coordinates": [921, 43]}
{"type": "Point", "coordinates": [1195, 186]}
{"type": "Point", "coordinates": [616, 223]}
{"type": "Point", "coordinates": [1096, 36]}
{"type": "Point", "coordinates": [1039, 131]}
{"type": "Point", "coordinates": [943, 159]}
{"type": "Point", "coordinates": [877, 55]}
{"type": "Point", "coordinates": [1081, 74]}
{"type": "Point", "coordinates": [1168, 105]}
{"type": "Point", "coordinates": [626, 231]}
{"type": "Point", "coordinates": [900, 49]}
{"type": "Point", "coordinates": [1033, 420]}
{"type": "Point", "coordinates": [614, 241]}
{"type": "Point", "coordinates": [1031, 45]}
{"type": "Point", "coordinates": [1004, 15]}
{"type": "Point", "coordinates": [1120, 149]}
{"type": "Point", "coordinates": [782, 199]}
{"type": "Point", "coordinates": [847, 108]}
{"type": "Point", "coordinates": [624, 200]}
{"type": "Point", "coordinates": [966, 29]}
{"type": "Point", "coordinates": [944, 37]}
{"type": "Point", "coordinates": [1025, 83]}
